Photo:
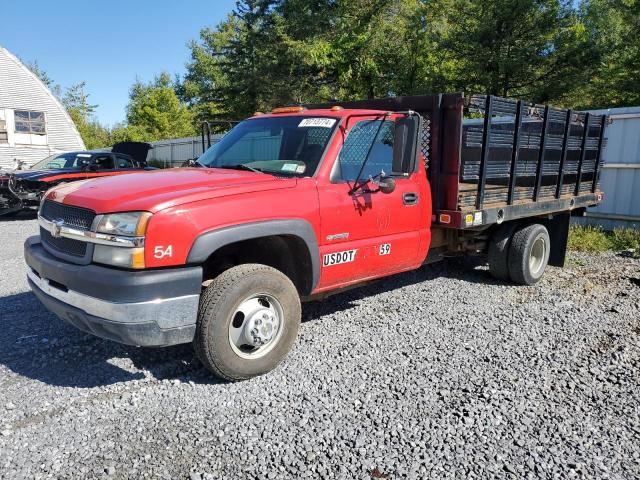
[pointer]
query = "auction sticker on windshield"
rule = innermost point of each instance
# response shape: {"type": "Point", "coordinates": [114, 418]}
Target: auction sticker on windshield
{"type": "Point", "coordinates": [317, 122]}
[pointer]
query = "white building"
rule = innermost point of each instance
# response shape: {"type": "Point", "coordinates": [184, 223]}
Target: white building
{"type": "Point", "coordinates": [33, 123]}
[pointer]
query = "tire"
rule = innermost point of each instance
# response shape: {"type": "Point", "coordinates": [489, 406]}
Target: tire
{"type": "Point", "coordinates": [498, 254]}
{"type": "Point", "coordinates": [528, 240]}
{"type": "Point", "coordinates": [258, 290]}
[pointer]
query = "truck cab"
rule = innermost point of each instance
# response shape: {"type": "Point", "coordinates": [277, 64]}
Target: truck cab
{"type": "Point", "coordinates": [288, 206]}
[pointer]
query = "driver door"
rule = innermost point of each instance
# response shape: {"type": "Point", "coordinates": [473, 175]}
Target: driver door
{"type": "Point", "coordinates": [367, 235]}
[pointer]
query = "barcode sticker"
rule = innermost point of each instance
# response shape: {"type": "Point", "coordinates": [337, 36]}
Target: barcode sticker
{"type": "Point", "coordinates": [317, 122]}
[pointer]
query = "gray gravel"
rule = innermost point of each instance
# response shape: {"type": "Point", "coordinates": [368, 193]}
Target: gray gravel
{"type": "Point", "coordinates": [439, 373]}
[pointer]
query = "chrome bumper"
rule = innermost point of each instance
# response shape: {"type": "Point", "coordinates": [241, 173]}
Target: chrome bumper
{"type": "Point", "coordinates": [166, 312]}
{"type": "Point", "coordinates": [145, 308]}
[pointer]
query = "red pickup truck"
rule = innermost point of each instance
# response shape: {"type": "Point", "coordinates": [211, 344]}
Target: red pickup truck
{"type": "Point", "coordinates": [305, 201]}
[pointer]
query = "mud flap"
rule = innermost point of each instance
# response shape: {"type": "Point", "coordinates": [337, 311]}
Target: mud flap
{"type": "Point", "coordinates": [558, 228]}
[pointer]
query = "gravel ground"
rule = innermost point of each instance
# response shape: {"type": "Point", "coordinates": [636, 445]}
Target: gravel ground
{"type": "Point", "coordinates": [438, 373]}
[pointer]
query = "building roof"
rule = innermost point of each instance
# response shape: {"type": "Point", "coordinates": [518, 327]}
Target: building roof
{"type": "Point", "coordinates": [17, 92]}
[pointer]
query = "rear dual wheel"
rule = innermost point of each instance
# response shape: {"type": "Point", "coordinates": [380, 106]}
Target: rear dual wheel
{"type": "Point", "coordinates": [519, 254]}
{"type": "Point", "coordinates": [247, 322]}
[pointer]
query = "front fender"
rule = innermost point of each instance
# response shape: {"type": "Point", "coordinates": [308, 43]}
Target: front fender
{"type": "Point", "coordinates": [208, 242]}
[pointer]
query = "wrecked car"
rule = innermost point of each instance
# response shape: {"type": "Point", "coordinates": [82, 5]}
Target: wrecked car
{"type": "Point", "coordinates": [23, 189]}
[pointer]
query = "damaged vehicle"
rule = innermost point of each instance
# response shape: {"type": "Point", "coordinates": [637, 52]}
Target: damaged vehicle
{"type": "Point", "coordinates": [23, 189]}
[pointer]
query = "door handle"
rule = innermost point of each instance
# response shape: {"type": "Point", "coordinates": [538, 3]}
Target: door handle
{"type": "Point", "coordinates": [410, 198]}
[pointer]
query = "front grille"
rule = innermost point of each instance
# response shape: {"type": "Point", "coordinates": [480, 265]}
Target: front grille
{"type": "Point", "coordinates": [67, 246]}
{"type": "Point", "coordinates": [77, 217]}
{"type": "Point", "coordinates": [72, 216]}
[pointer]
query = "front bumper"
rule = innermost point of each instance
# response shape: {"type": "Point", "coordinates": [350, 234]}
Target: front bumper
{"type": "Point", "coordinates": [145, 308]}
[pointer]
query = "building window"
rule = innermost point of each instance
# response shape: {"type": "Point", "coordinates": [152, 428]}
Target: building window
{"type": "Point", "coordinates": [4, 137]}
{"type": "Point", "coordinates": [30, 122]}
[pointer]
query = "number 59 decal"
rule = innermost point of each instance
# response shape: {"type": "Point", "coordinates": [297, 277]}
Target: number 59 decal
{"type": "Point", "coordinates": [385, 249]}
{"type": "Point", "coordinates": [161, 252]}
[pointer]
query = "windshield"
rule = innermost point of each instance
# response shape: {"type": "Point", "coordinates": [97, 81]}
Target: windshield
{"type": "Point", "coordinates": [290, 146]}
{"type": "Point", "coordinates": [72, 161]}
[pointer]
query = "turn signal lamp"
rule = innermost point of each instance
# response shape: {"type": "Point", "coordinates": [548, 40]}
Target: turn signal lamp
{"type": "Point", "coordinates": [287, 109]}
{"type": "Point", "coordinates": [336, 108]}
{"type": "Point", "coordinates": [137, 258]}
{"type": "Point", "coordinates": [141, 229]}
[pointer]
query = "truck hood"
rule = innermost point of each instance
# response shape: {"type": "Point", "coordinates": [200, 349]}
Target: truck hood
{"type": "Point", "coordinates": [160, 189]}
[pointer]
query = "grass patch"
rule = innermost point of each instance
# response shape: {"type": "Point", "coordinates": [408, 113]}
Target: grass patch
{"type": "Point", "coordinates": [624, 239]}
{"type": "Point", "coordinates": [594, 239]}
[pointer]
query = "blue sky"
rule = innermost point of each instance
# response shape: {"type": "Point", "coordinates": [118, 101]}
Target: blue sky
{"type": "Point", "coordinates": [109, 43]}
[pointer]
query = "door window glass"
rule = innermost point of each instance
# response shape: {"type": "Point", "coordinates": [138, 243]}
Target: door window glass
{"type": "Point", "coordinates": [104, 162]}
{"type": "Point", "coordinates": [357, 144]}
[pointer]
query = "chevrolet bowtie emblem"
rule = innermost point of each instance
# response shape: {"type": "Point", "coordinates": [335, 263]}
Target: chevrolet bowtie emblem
{"type": "Point", "coordinates": [55, 228]}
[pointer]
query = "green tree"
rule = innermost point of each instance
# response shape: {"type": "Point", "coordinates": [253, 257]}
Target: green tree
{"type": "Point", "coordinates": [270, 52]}
{"type": "Point", "coordinates": [94, 134]}
{"type": "Point", "coordinates": [378, 49]}
{"type": "Point", "coordinates": [155, 112]}
{"type": "Point", "coordinates": [231, 67]}
{"type": "Point", "coordinates": [613, 27]}
{"type": "Point", "coordinates": [535, 49]}
{"type": "Point", "coordinates": [76, 101]}
{"type": "Point", "coordinates": [44, 77]}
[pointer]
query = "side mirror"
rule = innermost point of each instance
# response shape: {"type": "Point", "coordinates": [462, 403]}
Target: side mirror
{"type": "Point", "coordinates": [387, 184]}
{"type": "Point", "coordinates": [406, 152]}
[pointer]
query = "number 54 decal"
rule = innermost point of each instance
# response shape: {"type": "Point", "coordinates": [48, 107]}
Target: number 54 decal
{"type": "Point", "coordinates": [385, 249]}
{"type": "Point", "coordinates": [160, 252]}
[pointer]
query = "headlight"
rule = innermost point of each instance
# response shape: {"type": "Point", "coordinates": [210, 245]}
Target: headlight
{"type": "Point", "coordinates": [132, 224]}
{"type": "Point", "coordinates": [127, 224]}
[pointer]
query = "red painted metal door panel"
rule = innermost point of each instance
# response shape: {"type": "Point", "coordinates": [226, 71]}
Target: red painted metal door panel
{"type": "Point", "coordinates": [368, 235]}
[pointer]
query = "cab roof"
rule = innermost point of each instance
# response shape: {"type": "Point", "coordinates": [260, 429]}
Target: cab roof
{"type": "Point", "coordinates": [321, 112]}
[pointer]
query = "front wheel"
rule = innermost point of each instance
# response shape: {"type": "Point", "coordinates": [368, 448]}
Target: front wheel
{"type": "Point", "coordinates": [247, 322]}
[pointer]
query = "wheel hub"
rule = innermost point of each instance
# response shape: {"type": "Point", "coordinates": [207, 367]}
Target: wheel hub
{"type": "Point", "coordinates": [260, 328]}
{"type": "Point", "coordinates": [256, 326]}
{"type": "Point", "coordinates": [537, 256]}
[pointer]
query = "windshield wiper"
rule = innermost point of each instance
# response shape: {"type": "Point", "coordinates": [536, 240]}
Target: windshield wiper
{"type": "Point", "coordinates": [241, 166]}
